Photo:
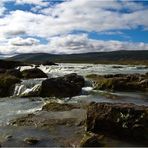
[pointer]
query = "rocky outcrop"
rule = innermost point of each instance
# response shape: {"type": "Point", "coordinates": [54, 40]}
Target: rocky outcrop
{"type": "Point", "coordinates": [33, 73]}
{"type": "Point", "coordinates": [10, 64]}
{"type": "Point", "coordinates": [7, 84]}
{"type": "Point", "coordinates": [66, 86]}
{"type": "Point", "coordinates": [127, 121]}
{"type": "Point", "coordinates": [120, 82]}
{"type": "Point", "coordinates": [14, 72]}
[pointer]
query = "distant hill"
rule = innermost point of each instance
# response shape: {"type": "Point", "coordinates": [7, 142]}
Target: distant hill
{"type": "Point", "coordinates": [97, 57]}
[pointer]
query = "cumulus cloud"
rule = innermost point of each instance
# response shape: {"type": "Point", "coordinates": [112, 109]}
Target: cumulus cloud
{"type": "Point", "coordinates": [56, 23]}
{"type": "Point", "coordinates": [18, 41]}
{"type": "Point", "coordinates": [73, 15]}
{"type": "Point", "coordinates": [68, 44]}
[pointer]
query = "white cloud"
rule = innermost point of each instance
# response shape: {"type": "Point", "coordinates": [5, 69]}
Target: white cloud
{"type": "Point", "coordinates": [18, 41]}
{"type": "Point", "coordinates": [73, 15]}
{"type": "Point", "coordinates": [34, 2]}
{"type": "Point", "coordinates": [56, 22]}
{"type": "Point", "coordinates": [2, 9]}
{"type": "Point", "coordinates": [67, 44]}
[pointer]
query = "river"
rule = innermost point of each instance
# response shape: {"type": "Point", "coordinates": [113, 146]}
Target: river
{"type": "Point", "coordinates": [14, 106]}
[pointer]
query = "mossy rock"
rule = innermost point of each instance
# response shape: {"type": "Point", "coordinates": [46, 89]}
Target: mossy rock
{"type": "Point", "coordinates": [53, 106]}
{"type": "Point", "coordinates": [7, 84]}
{"type": "Point", "coordinates": [119, 82]}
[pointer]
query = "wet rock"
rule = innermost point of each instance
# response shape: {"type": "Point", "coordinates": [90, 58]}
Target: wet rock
{"type": "Point", "coordinates": [31, 140]}
{"type": "Point", "coordinates": [117, 67]}
{"type": "Point", "coordinates": [2, 71]}
{"type": "Point", "coordinates": [49, 63]}
{"type": "Point", "coordinates": [7, 84]}
{"type": "Point", "coordinates": [53, 106]}
{"type": "Point", "coordinates": [142, 67]}
{"type": "Point", "coordinates": [128, 121]}
{"type": "Point", "coordinates": [33, 73]}
{"type": "Point", "coordinates": [66, 86]}
{"type": "Point", "coordinates": [10, 64]}
{"type": "Point", "coordinates": [8, 137]}
{"type": "Point", "coordinates": [14, 72]}
{"type": "Point", "coordinates": [109, 95]}
{"type": "Point", "coordinates": [91, 140]}
{"type": "Point", "coordinates": [119, 82]}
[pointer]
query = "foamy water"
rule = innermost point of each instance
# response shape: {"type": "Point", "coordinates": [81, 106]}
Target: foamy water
{"type": "Point", "coordinates": [15, 106]}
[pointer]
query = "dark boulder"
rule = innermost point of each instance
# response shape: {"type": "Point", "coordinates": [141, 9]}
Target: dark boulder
{"type": "Point", "coordinates": [49, 63]}
{"type": "Point", "coordinates": [33, 73]}
{"type": "Point", "coordinates": [2, 71]}
{"type": "Point", "coordinates": [127, 121]}
{"type": "Point", "coordinates": [14, 72]}
{"type": "Point", "coordinates": [7, 84]}
{"type": "Point", "coordinates": [10, 64]}
{"type": "Point", "coordinates": [66, 86]}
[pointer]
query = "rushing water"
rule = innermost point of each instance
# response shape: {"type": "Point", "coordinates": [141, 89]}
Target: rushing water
{"type": "Point", "coordinates": [14, 106]}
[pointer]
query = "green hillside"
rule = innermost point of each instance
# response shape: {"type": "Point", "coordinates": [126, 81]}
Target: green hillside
{"type": "Point", "coordinates": [98, 57]}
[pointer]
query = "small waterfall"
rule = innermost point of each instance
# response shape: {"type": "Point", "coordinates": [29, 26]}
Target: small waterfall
{"type": "Point", "coordinates": [27, 87]}
{"type": "Point", "coordinates": [19, 88]}
{"type": "Point", "coordinates": [31, 90]}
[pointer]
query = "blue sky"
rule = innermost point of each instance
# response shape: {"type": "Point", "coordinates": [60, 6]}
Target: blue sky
{"type": "Point", "coordinates": [72, 26]}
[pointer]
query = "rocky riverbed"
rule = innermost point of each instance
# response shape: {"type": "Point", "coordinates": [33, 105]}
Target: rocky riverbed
{"type": "Point", "coordinates": [76, 105]}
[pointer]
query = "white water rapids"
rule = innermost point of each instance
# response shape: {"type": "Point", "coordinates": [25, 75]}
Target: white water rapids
{"type": "Point", "coordinates": [15, 106]}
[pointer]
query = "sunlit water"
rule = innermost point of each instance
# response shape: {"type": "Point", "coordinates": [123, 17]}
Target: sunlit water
{"type": "Point", "coordinates": [14, 106]}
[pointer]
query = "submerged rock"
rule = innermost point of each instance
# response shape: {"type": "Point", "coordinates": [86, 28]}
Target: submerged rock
{"type": "Point", "coordinates": [117, 66]}
{"type": "Point", "coordinates": [31, 140]}
{"type": "Point", "coordinates": [7, 84]}
{"type": "Point", "coordinates": [66, 86]}
{"type": "Point", "coordinates": [33, 73]}
{"type": "Point", "coordinates": [53, 106]}
{"type": "Point", "coordinates": [128, 121]}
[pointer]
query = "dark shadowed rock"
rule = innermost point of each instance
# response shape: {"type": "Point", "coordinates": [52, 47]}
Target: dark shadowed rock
{"type": "Point", "coordinates": [31, 140]}
{"type": "Point", "coordinates": [128, 121]}
{"type": "Point", "coordinates": [7, 84]}
{"type": "Point", "coordinates": [49, 63]}
{"type": "Point", "coordinates": [33, 73]}
{"type": "Point", "coordinates": [10, 64]}
{"type": "Point", "coordinates": [117, 66]}
{"type": "Point", "coordinates": [66, 86]}
{"type": "Point", "coordinates": [14, 72]}
{"type": "Point", "coordinates": [90, 140]}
